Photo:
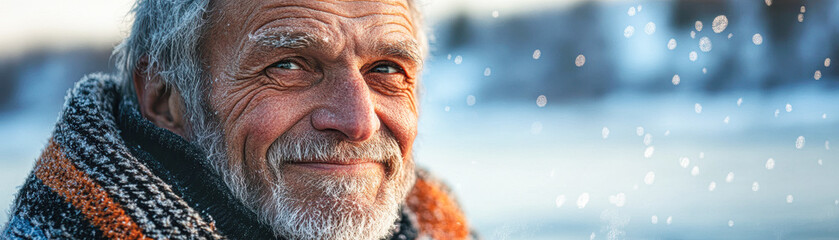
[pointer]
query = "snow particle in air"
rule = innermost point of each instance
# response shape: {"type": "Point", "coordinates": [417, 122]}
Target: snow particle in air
{"type": "Point", "coordinates": [631, 11]}
{"type": "Point", "coordinates": [447, 108]}
{"type": "Point", "coordinates": [698, 26]}
{"type": "Point", "coordinates": [789, 198]}
{"type": "Point", "coordinates": [739, 101]}
{"type": "Point", "coordinates": [654, 219]}
{"type": "Point", "coordinates": [757, 39]}
{"type": "Point", "coordinates": [669, 220]}
{"type": "Point", "coordinates": [580, 60]}
{"type": "Point", "coordinates": [768, 2]}
{"type": "Point", "coordinates": [619, 200]}
{"type": "Point", "coordinates": [649, 179]}
{"type": "Point", "coordinates": [536, 127]}
{"type": "Point", "coordinates": [777, 111]}
{"type": "Point", "coordinates": [819, 161]}
{"type": "Point", "coordinates": [684, 162]}
{"type": "Point", "coordinates": [704, 70]}
{"type": "Point", "coordinates": [676, 79]}
{"type": "Point", "coordinates": [692, 34]}
{"type": "Point", "coordinates": [817, 75]}
{"type": "Point", "coordinates": [537, 53]}
{"type": "Point", "coordinates": [591, 237]}
{"type": "Point", "coordinates": [827, 62]}
{"type": "Point", "coordinates": [604, 132]}
{"type": "Point", "coordinates": [730, 177]}
{"type": "Point", "coordinates": [694, 171]}
{"type": "Point", "coordinates": [560, 200]}
{"type": "Point", "coordinates": [470, 100]}
{"type": "Point", "coordinates": [649, 29]}
{"type": "Point", "coordinates": [726, 119]}
{"type": "Point", "coordinates": [803, 9]}
{"type": "Point", "coordinates": [730, 35]}
{"type": "Point", "coordinates": [799, 142]}
{"type": "Point", "coordinates": [755, 186]}
{"type": "Point", "coordinates": [824, 115]}
{"type": "Point", "coordinates": [487, 72]}
{"type": "Point", "coordinates": [720, 23]}
{"type": "Point", "coordinates": [826, 145]}
{"type": "Point", "coordinates": [495, 14]}
{"type": "Point", "coordinates": [458, 59]}
{"type": "Point", "coordinates": [731, 222]}
{"type": "Point", "coordinates": [648, 138]}
{"type": "Point", "coordinates": [666, 132]}
{"type": "Point", "coordinates": [628, 31]}
{"type": "Point", "coordinates": [770, 164]}
{"type": "Point", "coordinates": [712, 186]}
{"type": "Point", "coordinates": [788, 107]}
{"type": "Point", "coordinates": [671, 44]}
{"type": "Point", "coordinates": [639, 131]}
{"type": "Point", "coordinates": [582, 201]}
{"type": "Point", "coordinates": [649, 152]}
{"type": "Point", "coordinates": [800, 17]}
{"type": "Point", "coordinates": [692, 56]}
{"type": "Point", "coordinates": [541, 101]}
{"type": "Point", "coordinates": [697, 108]}
{"type": "Point", "coordinates": [705, 44]}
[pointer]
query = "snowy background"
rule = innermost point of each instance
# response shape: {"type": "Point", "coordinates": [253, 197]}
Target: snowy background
{"type": "Point", "coordinates": [565, 119]}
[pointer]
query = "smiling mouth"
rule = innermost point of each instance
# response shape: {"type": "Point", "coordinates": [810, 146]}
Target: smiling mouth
{"type": "Point", "coordinates": [351, 168]}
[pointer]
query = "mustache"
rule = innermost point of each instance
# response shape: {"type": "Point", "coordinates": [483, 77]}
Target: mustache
{"type": "Point", "coordinates": [332, 148]}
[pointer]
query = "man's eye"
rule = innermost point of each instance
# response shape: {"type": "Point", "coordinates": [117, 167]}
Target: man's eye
{"type": "Point", "coordinates": [286, 64]}
{"type": "Point", "coordinates": [385, 68]}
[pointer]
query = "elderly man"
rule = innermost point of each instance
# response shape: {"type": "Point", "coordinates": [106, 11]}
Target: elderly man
{"type": "Point", "coordinates": [247, 120]}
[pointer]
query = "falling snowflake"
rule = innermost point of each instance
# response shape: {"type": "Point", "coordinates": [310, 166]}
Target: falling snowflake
{"type": "Point", "coordinates": [698, 26]}
{"type": "Point", "coordinates": [649, 152]}
{"type": "Point", "coordinates": [676, 79]}
{"type": "Point", "coordinates": [705, 44]}
{"type": "Point", "coordinates": [605, 132]}
{"type": "Point", "coordinates": [817, 75]}
{"type": "Point", "coordinates": [739, 101]}
{"type": "Point", "coordinates": [649, 29]}
{"type": "Point", "coordinates": [582, 201]}
{"type": "Point", "coordinates": [768, 2]}
{"type": "Point", "coordinates": [648, 138]}
{"type": "Point", "coordinates": [487, 72]}
{"type": "Point", "coordinates": [720, 23]}
{"type": "Point", "coordinates": [628, 31]}
{"type": "Point", "coordinates": [631, 11]}
{"type": "Point", "coordinates": [712, 186]}
{"type": "Point", "coordinates": [654, 219]}
{"type": "Point", "coordinates": [671, 44]}
{"type": "Point", "coordinates": [695, 171]}
{"type": "Point", "coordinates": [731, 222]}
{"type": "Point", "coordinates": [541, 101]}
{"type": "Point", "coordinates": [537, 53]}
{"type": "Point", "coordinates": [580, 60]}
{"type": "Point", "coordinates": [755, 186]}
{"type": "Point", "coordinates": [770, 164]}
{"type": "Point", "coordinates": [495, 14]}
{"type": "Point", "coordinates": [726, 119]}
{"type": "Point", "coordinates": [692, 56]}
{"type": "Point", "coordinates": [827, 62]}
{"type": "Point", "coordinates": [684, 162]}
{"type": "Point", "coordinates": [697, 108]}
{"type": "Point", "coordinates": [560, 200]}
{"type": "Point", "coordinates": [458, 59]}
{"type": "Point", "coordinates": [649, 179]}
{"type": "Point", "coordinates": [639, 131]}
{"type": "Point", "coordinates": [789, 198]}
{"type": "Point", "coordinates": [757, 39]}
{"type": "Point", "coordinates": [799, 142]}
{"type": "Point", "coordinates": [470, 100]}
{"type": "Point", "coordinates": [800, 17]}
{"type": "Point", "coordinates": [730, 177]}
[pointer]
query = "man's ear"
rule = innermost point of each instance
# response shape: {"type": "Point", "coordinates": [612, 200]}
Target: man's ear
{"type": "Point", "coordinates": [159, 103]}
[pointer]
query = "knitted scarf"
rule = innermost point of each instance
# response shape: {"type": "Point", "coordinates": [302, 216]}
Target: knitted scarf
{"type": "Point", "coordinates": [108, 173]}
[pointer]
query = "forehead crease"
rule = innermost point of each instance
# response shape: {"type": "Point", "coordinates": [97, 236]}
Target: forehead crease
{"type": "Point", "coordinates": [377, 9]}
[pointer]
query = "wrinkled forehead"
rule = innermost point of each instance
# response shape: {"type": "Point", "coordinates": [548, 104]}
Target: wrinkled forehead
{"type": "Point", "coordinates": [326, 18]}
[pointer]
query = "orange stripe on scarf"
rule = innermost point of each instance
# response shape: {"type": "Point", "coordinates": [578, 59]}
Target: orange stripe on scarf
{"type": "Point", "coordinates": [437, 212]}
{"type": "Point", "coordinates": [84, 194]}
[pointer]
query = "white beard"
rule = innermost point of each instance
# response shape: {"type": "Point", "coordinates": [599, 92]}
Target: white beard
{"type": "Point", "coordinates": [332, 208]}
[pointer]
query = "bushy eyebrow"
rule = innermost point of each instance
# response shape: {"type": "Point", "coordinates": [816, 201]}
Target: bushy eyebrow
{"type": "Point", "coordinates": [274, 38]}
{"type": "Point", "coordinates": [406, 49]}
{"type": "Point", "coordinates": [286, 39]}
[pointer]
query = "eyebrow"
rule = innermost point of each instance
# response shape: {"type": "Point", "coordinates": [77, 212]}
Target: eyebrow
{"type": "Point", "coordinates": [406, 49]}
{"type": "Point", "coordinates": [286, 39]}
{"type": "Point", "coordinates": [273, 38]}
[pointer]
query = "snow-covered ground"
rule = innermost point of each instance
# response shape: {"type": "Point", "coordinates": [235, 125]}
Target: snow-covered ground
{"type": "Point", "coordinates": [521, 170]}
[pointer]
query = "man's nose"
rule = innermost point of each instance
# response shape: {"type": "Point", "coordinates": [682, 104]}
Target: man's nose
{"type": "Point", "coordinates": [349, 108]}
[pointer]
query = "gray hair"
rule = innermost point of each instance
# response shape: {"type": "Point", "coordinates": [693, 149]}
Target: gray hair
{"type": "Point", "coordinates": [167, 34]}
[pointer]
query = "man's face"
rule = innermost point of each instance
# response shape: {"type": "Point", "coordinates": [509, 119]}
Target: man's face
{"type": "Point", "coordinates": [317, 105]}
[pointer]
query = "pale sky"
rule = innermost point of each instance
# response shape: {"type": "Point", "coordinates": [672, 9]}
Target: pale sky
{"type": "Point", "coordinates": [26, 24]}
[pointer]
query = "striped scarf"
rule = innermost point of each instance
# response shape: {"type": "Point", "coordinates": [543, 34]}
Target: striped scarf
{"type": "Point", "coordinates": [108, 173]}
